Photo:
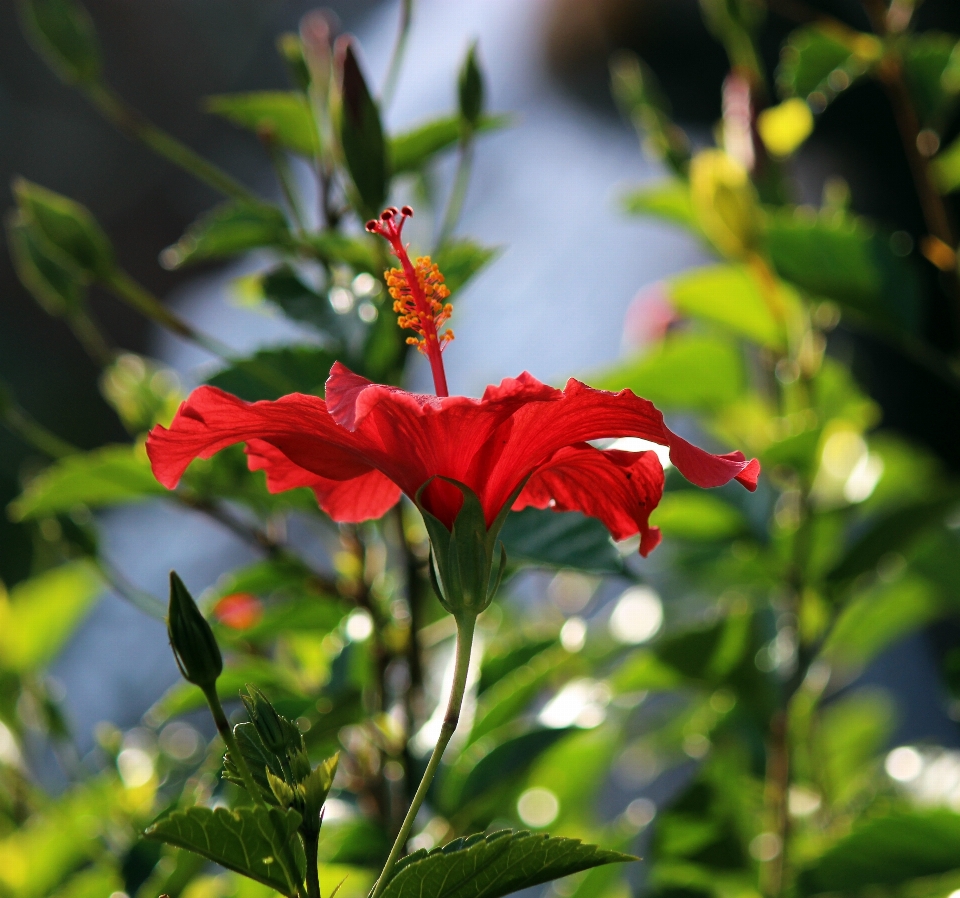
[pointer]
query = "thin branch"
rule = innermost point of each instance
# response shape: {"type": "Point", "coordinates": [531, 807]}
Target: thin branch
{"type": "Point", "coordinates": [396, 58]}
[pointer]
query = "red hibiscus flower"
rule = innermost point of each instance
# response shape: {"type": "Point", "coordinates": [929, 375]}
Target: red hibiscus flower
{"type": "Point", "coordinates": [523, 443]}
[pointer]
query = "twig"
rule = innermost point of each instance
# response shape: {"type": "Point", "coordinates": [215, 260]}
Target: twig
{"type": "Point", "coordinates": [458, 192]}
{"type": "Point", "coordinates": [396, 58]}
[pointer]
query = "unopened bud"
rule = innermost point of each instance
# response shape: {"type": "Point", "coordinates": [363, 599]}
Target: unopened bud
{"type": "Point", "coordinates": [269, 724]}
{"type": "Point", "coordinates": [194, 645]}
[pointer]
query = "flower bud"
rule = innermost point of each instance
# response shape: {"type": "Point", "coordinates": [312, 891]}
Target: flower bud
{"type": "Point", "coordinates": [193, 643]}
{"type": "Point", "coordinates": [276, 733]}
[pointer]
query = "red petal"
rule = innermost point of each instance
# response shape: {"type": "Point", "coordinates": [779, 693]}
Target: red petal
{"type": "Point", "coordinates": [361, 498]}
{"type": "Point", "coordinates": [620, 489]}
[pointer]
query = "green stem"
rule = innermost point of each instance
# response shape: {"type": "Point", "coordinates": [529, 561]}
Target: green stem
{"type": "Point", "coordinates": [32, 432]}
{"type": "Point", "coordinates": [285, 176]}
{"type": "Point", "coordinates": [91, 338]}
{"type": "Point", "coordinates": [458, 193]}
{"type": "Point", "coordinates": [134, 124]}
{"type": "Point", "coordinates": [311, 845]}
{"type": "Point", "coordinates": [396, 59]}
{"type": "Point", "coordinates": [226, 733]}
{"type": "Point", "coordinates": [465, 629]}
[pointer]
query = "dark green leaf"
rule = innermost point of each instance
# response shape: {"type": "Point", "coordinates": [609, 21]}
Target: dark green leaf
{"type": "Point", "coordinates": [111, 475]}
{"type": "Point", "coordinates": [470, 88]}
{"type": "Point", "coordinates": [685, 371]}
{"type": "Point", "coordinates": [229, 230]}
{"type": "Point", "coordinates": [686, 514]}
{"type": "Point", "coordinates": [411, 150]}
{"type": "Point", "coordinates": [844, 258]}
{"type": "Point", "coordinates": [58, 289]}
{"type": "Point", "coordinates": [926, 58]}
{"type": "Point", "coordinates": [333, 247]}
{"type": "Point", "coordinates": [283, 287]}
{"type": "Point", "coordinates": [248, 840]}
{"type": "Point", "coordinates": [272, 373]}
{"type": "Point", "coordinates": [62, 32]}
{"type": "Point", "coordinates": [887, 852]}
{"type": "Point", "coordinates": [360, 132]}
{"type": "Point", "coordinates": [495, 865]}
{"type": "Point", "coordinates": [708, 653]}
{"type": "Point", "coordinates": [891, 532]}
{"type": "Point", "coordinates": [669, 201]}
{"type": "Point", "coordinates": [69, 232]}
{"type": "Point", "coordinates": [460, 260]}
{"type": "Point", "coordinates": [560, 539]}
{"type": "Point", "coordinates": [821, 59]}
{"type": "Point", "coordinates": [280, 117]}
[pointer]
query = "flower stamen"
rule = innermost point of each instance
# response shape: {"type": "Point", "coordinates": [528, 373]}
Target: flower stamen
{"type": "Point", "coordinates": [418, 293]}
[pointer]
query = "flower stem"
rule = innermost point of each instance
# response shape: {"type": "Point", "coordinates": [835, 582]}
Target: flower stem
{"type": "Point", "coordinates": [226, 733]}
{"type": "Point", "coordinates": [311, 846]}
{"type": "Point", "coordinates": [465, 629]}
{"type": "Point", "coordinates": [134, 124]}
{"type": "Point", "coordinates": [458, 193]}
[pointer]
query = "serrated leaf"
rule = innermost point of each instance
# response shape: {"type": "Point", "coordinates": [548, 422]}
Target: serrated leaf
{"type": "Point", "coordinates": [560, 539]}
{"type": "Point", "coordinates": [247, 840]}
{"type": "Point", "coordinates": [40, 614]}
{"type": "Point", "coordinates": [843, 258]}
{"type": "Point", "coordinates": [495, 865]}
{"type": "Point", "coordinates": [67, 230]}
{"type": "Point", "coordinates": [229, 230]}
{"type": "Point", "coordinates": [272, 373]}
{"type": "Point", "coordinates": [685, 371]}
{"type": "Point", "coordinates": [111, 475]}
{"type": "Point", "coordinates": [63, 33]}
{"type": "Point", "coordinates": [887, 851]}
{"type": "Point", "coordinates": [283, 117]}
{"type": "Point", "coordinates": [731, 296]}
{"type": "Point", "coordinates": [460, 260]}
{"type": "Point", "coordinates": [411, 150]}
{"type": "Point", "coordinates": [669, 201]}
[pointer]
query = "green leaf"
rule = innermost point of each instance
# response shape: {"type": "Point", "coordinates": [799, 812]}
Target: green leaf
{"type": "Point", "coordinates": [708, 653]}
{"type": "Point", "coordinates": [361, 137]}
{"type": "Point", "coordinates": [229, 230]}
{"type": "Point", "coordinates": [731, 296]}
{"type": "Point", "coordinates": [843, 257]}
{"type": "Point", "coordinates": [411, 150]}
{"type": "Point", "coordinates": [272, 373]}
{"type": "Point", "coordinates": [284, 288]}
{"type": "Point", "coordinates": [281, 117]}
{"type": "Point", "coordinates": [669, 201]}
{"type": "Point", "coordinates": [641, 671]}
{"type": "Point", "coordinates": [333, 247]}
{"type": "Point", "coordinates": [946, 168]}
{"type": "Point", "coordinates": [495, 865]}
{"type": "Point", "coordinates": [94, 882]}
{"type": "Point", "coordinates": [470, 88]}
{"type": "Point", "coordinates": [878, 617]}
{"type": "Point", "coordinates": [685, 371]}
{"type": "Point", "coordinates": [887, 851]}
{"type": "Point", "coordinates": [246, 840]}
{"type": "Point", "coordinates": [62, 32]}
{"type": "Point", "coordinates": [57, 289]}
{"type": "Point", "coordinates": [825, 60]}
{"type": "Point", "coordinates": [70, 233]}
{"type": "Point", "coordinates": [460, 260]}
{"type": "Point", "coordinates": [40, 614]}
{"type": "Point", "coordinates": [686, 514]}
{"type": "Point", "coordinates": [560, 539]}
{"type": "Point", "coordinates": [926, 59]}
{"type": "Point", "coordinates": [891, 532]}
{"type": "Point", "coordinates": [111, 475]}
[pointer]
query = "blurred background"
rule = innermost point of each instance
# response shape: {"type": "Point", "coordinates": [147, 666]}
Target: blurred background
{"type": "Point", "coordinates": [548, 190]}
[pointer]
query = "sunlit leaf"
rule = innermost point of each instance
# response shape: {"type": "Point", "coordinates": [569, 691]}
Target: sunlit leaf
{"type": "Point", "coordinates": [686, 514]}
{"type": "Point", "coordinates": [410, 150]}
{"type": "Point", "coordinates": [111, 475]}
{"type": "Point", "coordinates": [495, 865]}
{"type": "Point", "coordinates": [250, 840]}
{"type": "Point", "coordinates": [824, 60]}
{"type": "Point", "coordinates": [560, 539]}
{"type": "Point", "coordinates": [685, 371]}
{"type": "Point", "coordinates": [669, 201]}
{"type": "Point", "coordinates": [643, 671]}
{"type": "Point", "coordinates": [887, 851]}
{"type": "Point", "coordinates": [94, 882]}
{"type": "Point", "coordinates": [229, 230]}
{"type": "Point", "coordinates": [283, 117]}
{"type": "Point", "coordinates": [946, 168]}
{"type": "Point", "coordinates": [40, 614]}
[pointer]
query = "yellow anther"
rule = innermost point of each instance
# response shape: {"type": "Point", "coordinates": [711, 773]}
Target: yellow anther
{"type": "Point", "coordinates": [433, 291]}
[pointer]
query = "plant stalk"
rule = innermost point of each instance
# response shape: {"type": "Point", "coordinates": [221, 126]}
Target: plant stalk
{"type": "Point", "coordinates": [465, 630]}
{"type": "Point", "coordinates": [311, 845]}
{"type": "Point", "coordinates": [458, 192]}
{"type": "Point", "coordinates": [396, 58]}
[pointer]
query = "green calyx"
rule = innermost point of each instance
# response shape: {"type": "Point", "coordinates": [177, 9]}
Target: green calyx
{"type": "Point", "coordinates": [194, 645]}
{"type": "Point", "coordinates": [462, 559]}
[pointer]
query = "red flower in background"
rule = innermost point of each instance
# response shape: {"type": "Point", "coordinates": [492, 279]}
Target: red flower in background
{"type": "Point", "coordinates": [364, 445]}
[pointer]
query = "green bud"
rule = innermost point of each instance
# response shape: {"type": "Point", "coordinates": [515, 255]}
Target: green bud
{"type": "Point", "coordinates": [281, 791]}
{"type": "Point", "coordinates": [277, 734]}
{"type": "Point", "coordinates": [470, 88]}
{"type": "Point", "coordinates": [193, 643]}
{"type": "Point", "coordinates": [62, 32]}
{"type": "Point", "coordinates": [69, 232]}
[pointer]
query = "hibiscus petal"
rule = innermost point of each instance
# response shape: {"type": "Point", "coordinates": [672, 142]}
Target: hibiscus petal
{"type": "Point", "coordinates": [620, 489]}
{"type": "Point", "coordinates": [362, 498]}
